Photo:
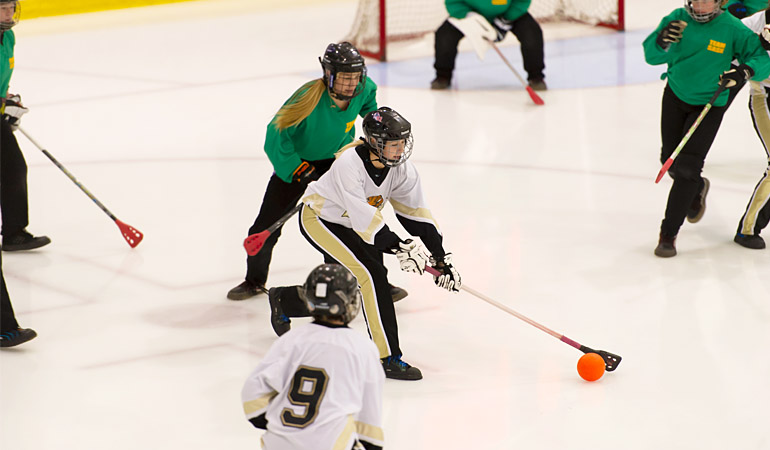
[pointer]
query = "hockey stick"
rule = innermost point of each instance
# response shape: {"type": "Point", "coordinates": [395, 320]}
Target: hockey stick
{"type": "Point", "coordinates": [253, 244]}
{"type": "Point", "coordinates": [670, 160]}
{"type": "Point", "coordinates": [535, 98]}
{"type": "Point", "coordinates": [611, 360]}
{"type": "Point", "coordinates": [130, 234]}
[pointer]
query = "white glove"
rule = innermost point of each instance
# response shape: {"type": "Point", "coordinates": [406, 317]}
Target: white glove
{"type": "Point", "coordinates": [764, 37]}
{"type": "Point", "coordinates": [449, 278]}
{"type": "Point", "coordinates": [412, 256]}
{"type": "Point", "coordinates": [478, 31]}
{"type": "Point", "coordinates": [13, 111]}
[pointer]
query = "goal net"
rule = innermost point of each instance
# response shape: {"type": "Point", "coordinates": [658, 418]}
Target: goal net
{"type": "Point", "coordinates": [382, 22]}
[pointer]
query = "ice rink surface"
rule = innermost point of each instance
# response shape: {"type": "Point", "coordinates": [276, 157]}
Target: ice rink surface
{"type": "Point", "coordinates": [550, 210]}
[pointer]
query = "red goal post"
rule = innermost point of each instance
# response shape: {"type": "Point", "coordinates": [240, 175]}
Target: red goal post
{"type": "Point", "coordinates": [381, 22]}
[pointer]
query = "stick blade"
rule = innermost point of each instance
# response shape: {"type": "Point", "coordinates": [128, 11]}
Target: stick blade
{"type": "Point", "coordinates": [130, 234]}
{"type": "Point", "coordinates": [664, 169]}
{"type": "Point", "coordinates": [535, 98]}
{"type": "Point", "coordinates": [253, 244]}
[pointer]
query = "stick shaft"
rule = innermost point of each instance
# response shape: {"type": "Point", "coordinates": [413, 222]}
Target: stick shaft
{"type": "Point", "coordinates": [69, 175]}
{"type": "Point", "coordinates": [535, 98]}
{"type": "Point", "coordinates": [284, 218]}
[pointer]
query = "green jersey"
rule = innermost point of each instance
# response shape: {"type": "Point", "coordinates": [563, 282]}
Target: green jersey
{"type": "Point", "coordinates": [704, 53]}
{"type": "Point", "coordinates": [508, 9]}
{"type": "Point", "coordinates": [752, 6]}
{"type": "Point", "coordinates": [6, 61]}
{"type": "Point", "coordinates": [319, 135]}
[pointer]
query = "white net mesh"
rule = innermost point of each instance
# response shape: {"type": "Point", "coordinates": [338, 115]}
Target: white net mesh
{"type": "Point", "coordinates": [410, 19]}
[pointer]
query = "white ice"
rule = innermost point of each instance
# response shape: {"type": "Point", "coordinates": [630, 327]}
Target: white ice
{"type": "Point", "coordinates": [551, 210]}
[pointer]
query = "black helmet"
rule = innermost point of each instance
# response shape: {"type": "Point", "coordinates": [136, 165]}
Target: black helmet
{"type": "Point", "coordinates": [382, 126]}
{"type": "Point", "coordinates": [704, 17]}
{"type": "Point", "coordinates": [332, 291]}
{"type": "Point", "coordinates": [7, 25]}
{"type": "Point", "coordinates": [343, 57]}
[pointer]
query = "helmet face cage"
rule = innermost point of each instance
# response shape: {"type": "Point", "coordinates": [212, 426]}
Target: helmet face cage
{"type": "Point", "coordinates": [332, 291]}
{"type": "Point", "coordinates": [706, 16]}
{"type": "Point", "coordinates": [344, 71]}
{"type": "Point", "coordinates": [389, 135]}
{"type": "Point", "coordinates": [5, 7]}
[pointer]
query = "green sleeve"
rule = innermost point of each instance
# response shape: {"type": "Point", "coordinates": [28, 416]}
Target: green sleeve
{"type": "Point", "coordinates": [457, 8]}
{"type": "Point", "coordinates": [370, 104]}
{"type": "Point", "coordinates": [279, 148]}
{"type": "Point", "coordinates": [653, 54]}
{"type": "Point", "coordinates": [749, 51]}
{"type": "Point", "coordinates": [517, 9]}
{"type": "Point", "coordinates": [752, 6]}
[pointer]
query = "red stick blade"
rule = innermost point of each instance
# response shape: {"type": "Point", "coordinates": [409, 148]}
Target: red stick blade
{"type": "Point", "coordinates": [535, 98]}
{"type": "Point", "coordinates": [664, 169]}
{"type": "Point", "coordinates": [130, 234]}
{"type": "Point", "coordinates": [253, 244]}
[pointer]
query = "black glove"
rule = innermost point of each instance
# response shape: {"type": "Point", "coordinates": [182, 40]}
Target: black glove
{"type": "Point", "coordinates": [738, 10]}
{"type": "Point", "coordinates": [502, 26]}
{"type": "Point", "coordinates": [449, 278]}
{"type": "Point", "coordinates": [671, 33]}
{"type": "Point", "coordinates": [305, 173]}
{"type": "Point", "coordinates": [736, 76]}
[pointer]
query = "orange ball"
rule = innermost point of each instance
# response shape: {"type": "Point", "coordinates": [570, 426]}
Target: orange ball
{"type": "Point", "coordinates": [590, 367]}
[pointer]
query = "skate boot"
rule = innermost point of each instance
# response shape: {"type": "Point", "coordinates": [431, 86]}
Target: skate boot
{"type": "Point", "coordinates": [397, 369]}
{"type": "Point", "coordinates": [280, 322]}
{"type": "Point", "coordinates": [246, 290]}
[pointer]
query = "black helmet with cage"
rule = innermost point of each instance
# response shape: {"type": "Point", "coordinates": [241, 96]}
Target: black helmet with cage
{"type": "Point", "coordinates": [331, 291]}
{"type": "Point", "coordinates": [703, 17]}
{"type": "Point", "coordinates": [388, 135]}
{"type": "Point", "coordinates": [343, 58]}
{"type": "Point", "coordinates": [10, 13]}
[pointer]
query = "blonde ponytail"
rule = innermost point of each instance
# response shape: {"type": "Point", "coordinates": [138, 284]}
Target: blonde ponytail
{"type": "Point", "coordinates": [300, 105]}
{"type": "Point", "coordinates": [355, 143]}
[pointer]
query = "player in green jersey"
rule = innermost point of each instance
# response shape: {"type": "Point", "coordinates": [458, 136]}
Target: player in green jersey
{"type": "Point", "coordinates": [697, 43]}
{"type": "Point", "coordinates": [13, 167]}
{"type": "Point", "coordinates": [505, 16]}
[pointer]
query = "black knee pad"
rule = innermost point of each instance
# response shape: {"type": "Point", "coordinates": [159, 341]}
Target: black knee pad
{"type": "Point", "coordinates": [686, 168]}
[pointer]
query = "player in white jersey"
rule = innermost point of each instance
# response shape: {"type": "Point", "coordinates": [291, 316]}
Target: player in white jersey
{"type": "Point", "coordinates": [320, 386]}
{"type": "Point", "coordinates": [342, 219]}
{"type": "Point", "coordinates": [757, 214]}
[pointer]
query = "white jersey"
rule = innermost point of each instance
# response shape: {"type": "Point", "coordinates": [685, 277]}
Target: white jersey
{"type": "Point", "coordinates": [319, 388]}
{"type": "Point", "coordinates": [347, 195]}
{"type": "Point", "coordinates": [756, 22]}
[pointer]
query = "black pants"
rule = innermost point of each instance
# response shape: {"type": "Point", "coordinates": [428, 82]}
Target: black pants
{"type": "Point", "coordinates": [7, 317]}
{"type": "Point", "coordinates": [525, 28]}
{"type": "Point", "coordinates": [13, 183]}
{"type": "Point", "coordinates": [675, 120]}
{"type": "Point", "coordinates": [757, 214]}
{"type": "Point", "coordinates": [280, 197]}
{"type": "Point", "coordinates": [342, 245]}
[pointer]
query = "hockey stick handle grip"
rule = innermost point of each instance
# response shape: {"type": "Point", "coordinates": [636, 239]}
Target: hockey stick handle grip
{"type": "Point", "coordinates": [69, 175]}
{"type": "Point", "coordinates": [510, 311]}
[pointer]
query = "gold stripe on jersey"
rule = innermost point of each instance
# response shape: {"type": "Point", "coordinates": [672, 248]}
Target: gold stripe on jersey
{"type": "Point", "coordinates": [423, 213]}
{"type": "Point", "coordinates": [370, 431]}
{"type": "Point", "coordinates": [761, 113]}
{"type": "Point", "coordinates": [346, 437]}
{"type": "Point", "coordinates": [374, 227]}
{"type": "Point", "coordinates": [258, 405]}
{"type": "Point", "coordinates": [333, 246]}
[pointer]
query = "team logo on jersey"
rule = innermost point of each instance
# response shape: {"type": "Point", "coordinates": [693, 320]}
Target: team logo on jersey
{"type": "Point", "coordinates": [10, 62]}
{"type": "Point", "coordinates": [716, 46]}
{"type": "Point", "coordinates": [376, 201]}
{"type": "Point", "coordinates": [499, 2]}
{"type": "Point", "coordinates": [350, 125]}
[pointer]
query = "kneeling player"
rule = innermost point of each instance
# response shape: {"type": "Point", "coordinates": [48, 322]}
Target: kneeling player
{"type": "Point", "coordinates": [320, 386]}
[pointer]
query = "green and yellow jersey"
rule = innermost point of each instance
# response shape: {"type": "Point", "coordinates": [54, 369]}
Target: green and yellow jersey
{"type": "Point", "coordinates": [508, 9]}
{"type": "Point", "coordinates": [704, 53]}
{"type": "Point", "coordinates": [321, 134]}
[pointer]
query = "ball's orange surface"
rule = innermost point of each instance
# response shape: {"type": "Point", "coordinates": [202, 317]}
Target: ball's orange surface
{"type": "Point", "coordinates": [590, 367]}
